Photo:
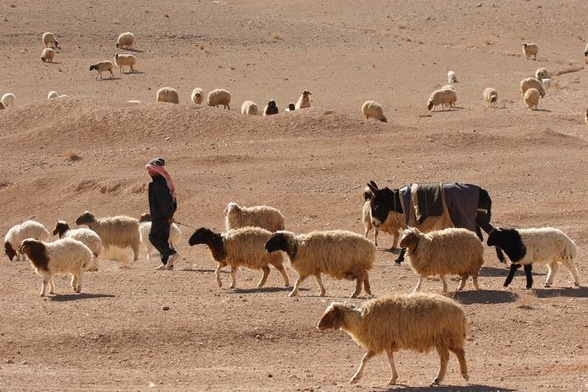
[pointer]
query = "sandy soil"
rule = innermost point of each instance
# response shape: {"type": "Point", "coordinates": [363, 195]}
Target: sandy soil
{"type": "Point", "coordinates": [134, 328]}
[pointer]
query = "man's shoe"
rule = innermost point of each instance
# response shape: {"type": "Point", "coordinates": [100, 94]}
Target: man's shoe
{"type": "Point", "coordinates": [172, 259]}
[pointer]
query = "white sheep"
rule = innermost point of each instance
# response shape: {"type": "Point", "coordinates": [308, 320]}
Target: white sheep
{"type": "Point", "coordinates": [8, 100]}
{"type": "Point", "coordinates": [20, 232]}
{"type": "Point", "coordinates": [442, 97]}
{"type": "Point", "coordinates": [49, 40]}
{"type": "Point", "coordinates": [337, 253]}
{"type": "Point", "coordinates": [452, 251]}
{"type": "Point", "coordinates": [546, 83]}
{"type": "Point", "coordinates": [63, 256]}
{"type": "Point", "coordinates": [541, 73]}
{"type": "Point", "coordinates": [250, 108]}
{"type": "Point", "coordinates": [86, 236]}
{"type": "Point", "coordinates": [393, 225]}
{"type": "Point", "coordinates": [391, 323]}
{"type": "Point", "coordinates": [530, 246]}
{"type": "Point", "coordinates": [175, 234]}
{"type": "Point", "coordinates": [219, 96]}
{"type": "Point", "coordinates": [54, 95]}
{"type": "Point", "coordinates": [372, 109]}
{"type": "Point", "coordinates": [528, 83]}
{"type": "Point", "coordinates": [304, 100]}
{"type": "Point", "coordinates": [490, 96]}
{"type": "Point", "coordinates": [103, 66]}
{"type": "Point", "coordinates": [530, 49]}
{"type": "Point", "coordinates": [125, 59]}
{"type": "Point", "coordinates": [531, 98]}
{"type": "Point", "coordinates": [197, 96]}
{"type": "Point", "coordinates": [451, 77]}
{"type": "Point", "coordinates": [125, 40]}
{"type": "Point", "coordinates": [121, 231]}
{"type": "Point", "coordinates": [47, 55]}
{"type": "Point", "coordinates": [266, 217]}
{"type": "Point", "coordinates": [271, 108]}
{"type": "Point", "coordinates": [243, 247]}
{"type": "Point", "coordinates": [167, 94]}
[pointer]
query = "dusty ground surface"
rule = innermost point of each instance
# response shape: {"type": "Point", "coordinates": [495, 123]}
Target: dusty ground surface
{"type": "Point", "coordinates": [134, 328]}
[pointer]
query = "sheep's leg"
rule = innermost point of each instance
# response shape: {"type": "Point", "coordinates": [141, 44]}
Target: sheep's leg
{"type": "Point", "coordinates": [284, 274]}
{"type": "Point", "coordinates": [75, 283]}
{"type": "Point", "coordinates": [462, 282]}
{"type": "Point", "coordinates": [51, 285]}
{"type": "Point", "coordinates": [444, 358]}
{"type": "Point", "coordinates": [80, 281]}
{"type": "Point", "coordinates": [396, 239]}
{"type": "Point", "coordinates": [392, 368]}
{"type": "Point", "coordinates": [266, 271]}
{"type": "Point", "coordinates": [366, 285]}
{"type": "Point", "coordinates": [475, 281]}
{"type": "Point", "coordinates": [375, 236]}
{"type": "Point", "coordinates": [511, 274]}
{"type": "Point", "coordinates": [463, 366]}
{"type": "Point", "coordinates": [233, 277]}
{"type": "Point", "coordinates": [217, 274]}
{"type": "Point", "coordinates": [529, 274]}
{"type": "Point", "coordinates": [442, 277]}
{"type": "Point", "coordinates": [297, 285]}
{"type": "Point", "coordinates": [357, 376]}
{"type": "Point", "coordinates": [573, 271]}
{"type": "Point", "coordinates": [551, 271]}
{"type": "Point", "coordinates": [135, 248]}
{"type": "Point", "coordinates": [46, 281]}
{"type": "Point", "coordinates": [111, 74]}
{"type": "Point", "coordinates": [319, 281]}
{"type": "Point", "coordinates": [418, 286]}
{"type": "Point", "coordinates": [400, 258]}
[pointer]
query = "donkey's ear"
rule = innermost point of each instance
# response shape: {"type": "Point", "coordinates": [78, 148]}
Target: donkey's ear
{"type": "Point", "coordinates": [373, 186]}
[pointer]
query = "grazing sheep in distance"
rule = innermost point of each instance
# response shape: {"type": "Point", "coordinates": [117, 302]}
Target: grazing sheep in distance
{"type": "Point", "coordinates": [451, 251]}
{"type": "Point", "coordinates": [86, 236]}
{"type": "Point", "coordinates": [528, 83]}
{"type": "Point", "coordinates": [337, 253]}
{"type": "Point", "coordinates": [125, 59]}
{"type": "Point", "coordinates": [54, 95]}
{"type": "Point", "coordinates": [20, 232]}
{"type": "Point", "coordinates": [121, 231]}
{"type": "Point", "coordinates": [586, 50]}
{"type": "Point", "coordinates": [175, 234]}
{"type": "Point", "coordinates": [219, 96]}
{"type": "Point", "coordinates": [393, 224]}
{"type": "Point", "coordinates": [271, 108]}
{"type": "Point", "coordinates": [541, 73]}
{"type": "Point", "coordinates": [2, 106]}
{"type": "Point", "coordinates": [240, 248]}
{"type": "Point", "coordinates": [63, 256]}
{"type": "Point", "coordinates": [530, 49]}
{"type": "Point", "coordinates": [490, 96]}
{"type": "Point", "coordinates": [167, 94]}
{"type": "Point", "coordinates": [291, 107]}
{"type": "Point", "coordinates": [266, 217]}
{"type": "Point", "coordinates": [103, 66]}
{"type": "Point", "coordinates": [49, 40]}
{"type": "Point", "coordinates": [451, 77]}
{"type": "Point", "coordinates": [415, 322]}
{"type": "Point", "coordinates": [47, 55]}
{"type": "Point", "coordinates": [544, 245]}
{"type": "Point", "coordinates": [532, 98]}
{"type": "Point", "coordinates": [125, 40]}
{"type": "Point", "coordinates": [372, 109]}
{"type": "Point", "coordinates": [8, 100]}
{"type": "Point", "coordinates": [250, 108]}
{"type": "Point", "coordinates": [442, 97]}
{"type": "Point", "coordinates": [304, 100]}
{"type": "Point", "coordinates": [197, 95]}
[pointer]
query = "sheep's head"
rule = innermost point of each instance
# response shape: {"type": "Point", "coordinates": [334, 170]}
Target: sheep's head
{"type": "Point", "coordinates": [60, 228]}
{"type": "Point", "coordinates": [306, 93]}
{"type": "Point", "coordinates": [36, 252]}
{"type": "Point", "coordinates": [232, 207]}
{"type": "Point", "coordinates": [202, 236]}
{"type": "Point", "coordinates": [430, 104]}
{"type": "Point", "coordinates": [410, 239]}
{"type": "Point", "coordinates": [333, 316]}
{"type": "Point", "coordinates": [10, 252]}
{"type": "Point", "coordinates": [509, 240]}
{"type": "Point", "coordinates": [85, 218]}
{"type": "Point", "coordinates": [92, 67]}
{"type": "Point", "coordinates": [280, 240]}
{"type": "Point", "coordinates": [146, 217]}
{"type": "Point", "coordinates": [383, 202]}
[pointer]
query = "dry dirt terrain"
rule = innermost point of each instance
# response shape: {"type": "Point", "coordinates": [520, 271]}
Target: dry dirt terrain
{"type": "Point", "coordinates": [134, 328]}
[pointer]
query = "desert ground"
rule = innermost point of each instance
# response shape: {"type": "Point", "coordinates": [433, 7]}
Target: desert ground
{"type": "Point", "coordinates": [134, 328]}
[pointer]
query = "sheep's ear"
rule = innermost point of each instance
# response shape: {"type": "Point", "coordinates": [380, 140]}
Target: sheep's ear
{"type": "Point", "coordinates": [411, 241]}
{"type": "Point", "coordinates": [332, 319]}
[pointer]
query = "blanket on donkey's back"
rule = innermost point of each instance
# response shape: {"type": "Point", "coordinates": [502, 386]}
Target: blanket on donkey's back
{"type": "Point", "coordinates": [429, 201]}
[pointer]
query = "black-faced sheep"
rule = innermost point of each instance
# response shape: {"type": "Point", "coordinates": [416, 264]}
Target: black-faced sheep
{"type": "Point", "coordinates": [530, 49]}
{"type": "Point", "coordinates": [103, 66]}
{"type": "Point", "coordinates": [240, 248]}
{"type": "Point", "coordinates": [218, 97]}
{"type": "Point", "coordinates": [304, 100]}
{"type": "Point", "coordinates": [121, 231]}
{"type": "Point", "coordinates": [337, 253]}
{"type": "Point", "coordinates": [20, 232]}
{"type": "Point", "coordinates": [271, 108]}
{"type": "Point", "coordinates": [544, 245]}
{"type": "Point", "coordinates": [63, 256]}
{"type": "Point", "coordinates": [266, 217]}
{"type": "Point", "coordinates": [175, 234]}
{"type": "Point", "coordinates": [415, 322]}
{"type": "Point", "coordinates": [451, 251]}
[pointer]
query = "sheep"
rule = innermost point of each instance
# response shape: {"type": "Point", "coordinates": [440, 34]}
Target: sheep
{"type": "Point", "coordinates": [242, 247]}
{"type": "Point", "coordinates": [49, 40]}
{"type": "Point", "coordinates": [271, 108]}
{"type": "Point", "coordinates": [337, 253]}
{"type": "Point", "coordinates": [454, 251]}
{"type": "Point", "coordinates": [442, 97]}
{"type": "Point", "coordinates": [47, 55]}
{"type": "Point", "coordinates": [125, 40]}
{"type": "Point", "coordinates": [415, 322]}
{"type": "Point", "coordinates": [8, 100]}
{"type": "Point", "coordinates": [304, 100]}
{"type": "Point", "coordinates": [490, 96]}
{"type": "Point", "coordinates": [530, 246]}
{"type": "Point", "coordinates": [20, 232]}
{"type": "Point", "coordinates": [532, 98]}
{"type": "Point", "coordinates": [86, 236]}
{"type": "Point", "coordinates": [219, 96]}
{"type": "Point", "coordinates": [266, 217]}
{"type": "Point", "coordinates": [125, 59]}
{"type": "Point", "coordinates": [121, 231]}
{"type": "Point", "coordinates": [541, 73]}
{"type": "Point", "coordinates": [2, 106]}
{"type": "Point", "coordinates": [175, 234]}
{"type": "Point", "coordinates": [291, 107]}
{"type": "Point", "coordinates": [448, 87]}
{"type": "Point", "coordinates": [586, 50]}
{"type": "Point", "coordinates": [372, 109]}
{"type": "Point", "coordinates": [63, 256]}
{"type": "Point", "coordinates": [250, 108]}
{"type": "Point", "coordinates": [528, 83]}
{"type": "Point", "coordinates": [103, 66]}
{"type": "Point", "coordinates": [451, 77]}
{"type": "Point", "coordinates": [546, 83]}
{"type": "Point", "coordinates": [530, 49]}
{"type": "Point", "coordinates": [167, 94]}
{"type": "Point", "coordinates": [197, 96]}
{"type": "Point", "coordinates": [393, 224]}
{"type": "Point", "coordinates": [54, 95]}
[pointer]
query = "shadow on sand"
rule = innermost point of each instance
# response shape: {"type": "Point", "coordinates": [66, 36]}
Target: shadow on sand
{"type": "Point", "coordinates": [75, 297]}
